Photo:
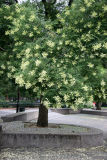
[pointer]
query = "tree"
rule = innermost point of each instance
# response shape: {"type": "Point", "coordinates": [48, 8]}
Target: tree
{"type": "Point", "coordinates": [60, 65]}
{"type": "Point", "coordinates": [8, 87]}
{"type": "Point", "coordinates": [84, 31]}
{"type": "Point", "coordinates": [8, 2]}
{"type": "Point", "coordinates": [41, 66]}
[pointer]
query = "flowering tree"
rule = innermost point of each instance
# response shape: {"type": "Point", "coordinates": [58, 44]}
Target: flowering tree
{"type": "Point", "coordinates": [63, 65]}
{"type": "Point", "coordinates": [84, 34]}
{"type": "Point", "coordinates": [8, 87]}
{"type": "Point", "coordinates": [39, 62]}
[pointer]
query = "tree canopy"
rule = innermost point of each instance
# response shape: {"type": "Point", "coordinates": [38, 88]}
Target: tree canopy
{"type": "Point", "coordinates": [62, 60]}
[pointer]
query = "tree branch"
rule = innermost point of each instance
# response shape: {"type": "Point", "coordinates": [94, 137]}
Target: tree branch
{"type": "Point", "coordinates": [16, 1]}
{"type": "Point", "coordinates": [54, 2]}
{"type": "Point", "coordinates": [2, 49]}
{"type": "Point", "coordinates": [44, 1]}
{"type": "Point", "coordinates": [70, 2]}
{"type": "Point", "coordinates": [48, 7]}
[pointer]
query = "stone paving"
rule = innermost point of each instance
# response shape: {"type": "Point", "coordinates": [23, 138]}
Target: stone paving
{"type": "Point", "coordinates": [99, 153]}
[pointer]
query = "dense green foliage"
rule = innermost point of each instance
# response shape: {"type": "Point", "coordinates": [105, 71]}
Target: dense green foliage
{"type": "Point", "coordinates": [60, 61]}
{"type": "Point", "coordinates": [84, 31]}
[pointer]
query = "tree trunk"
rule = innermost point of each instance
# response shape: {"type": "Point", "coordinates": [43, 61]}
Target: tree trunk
{"type": "Point", "coordinates": [6, 97]}
{"type": "Point", "coordinates": [18, 97]}
{"type": "Point", "coordinates": [98, 105]}
{"type": "Point", "coordinates": [48, 7]}
{"type": "Point", "coordinates": [43, 116]}
{"type": "Point", "coordinates": [70, 2]}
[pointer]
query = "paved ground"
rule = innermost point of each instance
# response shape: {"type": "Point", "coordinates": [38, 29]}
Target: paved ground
{"type": "Point", "coordinates": [54, 154]}
{"type": "Point", "coordinates": [4, 112]}
{"type": "Point", "coordinates": [99, 153]}
{"type": "Point", "coordinates": [95, 121]}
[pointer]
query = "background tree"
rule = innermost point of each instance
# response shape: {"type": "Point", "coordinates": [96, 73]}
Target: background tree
{"type": "Point", "coordinates": [84, 33]}
{"type": "Point", "coordinates": [8, 87]}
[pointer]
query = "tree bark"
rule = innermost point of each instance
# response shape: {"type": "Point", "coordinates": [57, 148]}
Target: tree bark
{"type": "Point", "coordinates": [48, 7]}
{"type": "Point", "coordinates": [43, 116]}
{"type": "Point", "coordinates": [98, 105]}
{"type": "Point", "coordinates": [18, 97]}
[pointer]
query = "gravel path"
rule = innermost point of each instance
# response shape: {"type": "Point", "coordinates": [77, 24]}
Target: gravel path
{"type": "Point", "coordinates": [99, 153]}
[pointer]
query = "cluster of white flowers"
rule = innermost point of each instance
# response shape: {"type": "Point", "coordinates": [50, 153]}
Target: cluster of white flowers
{"type": "Point", "coordinates": [27, 50]}
{"type": "Point", "coordinates": [27, 26]}
{"type": "Point", "coordinates": [105, 8]}
{"type": "Point", "coordinates": [60, 42]}
{"type": "Point", "coordinates": [63, 75]}
{"type": "Point", "coordinates": [72, 81]}
{"type": "Point", "coordinates": [57, 99]}
{"type": "Point", "coordinates": [94, 14]}
{"type": "Point", "coordinates": [48, 26]}
{"type": "Point", "coordinates": [37, 46]}
{"type": "Point", "coordinates": [66, 97]}
{"type": "Point", "coordinates": [82, 9]}
{"type": "Point", "coordinates": [62, 20]}
{"type": "Point", "coordinates": [67, 42]}
{"type": "Point", "coordinates": [18, 10]}
{"type": "Point", "coordinates": [35, 28]}
{"type": "Point", "coordinates": [79, 101]}
{"type": "Point", "coordinates": [13, 69]}
{"type": "Point", "coordinates": [46, 103]}
{"type": "Point", "coordinates": [38, 62]}
{"type": "Point", "coordinates": [36, 89]}
{"type": "Point", "coordinates": [31, 34]}
{"type": "Point", "coordinates": [94, 73]}
{"type": "Point", "coordinates": [85, 88]}
{"type": "Point", "coordinates": [24, 65]}
{"type": "Point", "coordinates": [32, 18]}
{"type": "Point", "coordinates": [67, 13]}
{"type": "Point", "coordinates": [24, 33]}
{"type": "Point", "coordinates": [50, 43]}
{"type": "Point", "coordinates": [28, 85]}
{"type": "Point", "coordinates": [58, 15]}
{"type": "Point", "coordinates": [77, 94]}
{"type": "Point", "coordinates": [19, 80]}
{"type": "Point", "coordinates": [105, 45]}
{"type": "Point", "coordinates": [103, 83]}
{"type": "Point", "coordinates": [90, 65]}
{"type": "Point", "coordinates": [9, 75]}
{"type": "Point", "coordinates": [65, 82]}
{"type": "Point", "coordinates": [97, 46]}
{"type": "Point", "coordinates": [58, 31]}
{"type": "Point", "coordinates": [1, 72]}
{"type": "Point", "coordinates": [89, 4]}
{"type": "Point", "coordinates": [102, 55]}
{"type": "Point", "coordinates": [32, 72]}
{"type": "Point", "coordinates": [91, 99]}
{"type": "Point", "coordinates": [44, 54]}
{"type": "Point", "coordinates": [50, 84]}
{"type": "Point", "coordinates": [42, 76]}
{"type": "Point", "coordinates": [22, 17]}
{"type": "Point", "coordinates": [3, 66]}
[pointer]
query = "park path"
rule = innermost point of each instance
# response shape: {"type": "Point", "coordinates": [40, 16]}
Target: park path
{"type": "Point", "coordinates": [95, 121]}
{"type": "Point", "coordinates": [32, 153]}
